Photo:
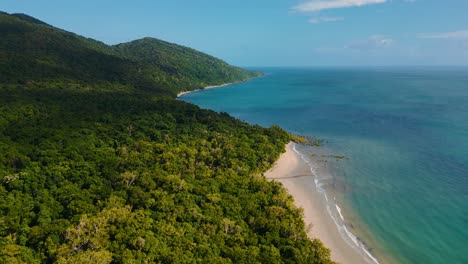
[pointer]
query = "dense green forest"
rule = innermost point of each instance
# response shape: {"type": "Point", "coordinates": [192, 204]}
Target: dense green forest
{"type": "Point", "coordinates": [100, 164]}
{"type": "Point", "coordinates": [31, 50]}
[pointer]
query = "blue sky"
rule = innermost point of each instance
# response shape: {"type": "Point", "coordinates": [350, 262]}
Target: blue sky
{"type": "Point", "coordinates": [276, 32]}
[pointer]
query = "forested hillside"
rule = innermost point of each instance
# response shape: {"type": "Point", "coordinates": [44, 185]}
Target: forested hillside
{"type": "Point", "coordinates": [31, 50]}
{"type": "Point", "coordinates": [99, 163]}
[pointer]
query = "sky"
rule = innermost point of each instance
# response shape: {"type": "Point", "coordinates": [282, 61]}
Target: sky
{"type": "Point", "coordinates": [275, 32]}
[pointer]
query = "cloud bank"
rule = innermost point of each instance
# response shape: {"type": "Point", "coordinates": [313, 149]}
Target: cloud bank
{"type": "Point", "coordinates": [461, 34]}
{"type": "Point", "coordinates": [318, 5]}
{"type": "Point", "coordinates": [372, 43]}
{"type": "Point", "coordinates": [317, 20]}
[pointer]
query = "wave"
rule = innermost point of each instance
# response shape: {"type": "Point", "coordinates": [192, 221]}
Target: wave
{"type": "Point", "coordinates": [349, 237]}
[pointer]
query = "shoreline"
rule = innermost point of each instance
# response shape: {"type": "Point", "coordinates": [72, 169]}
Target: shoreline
{"type": "Point", "coordinates": [205, 88]}
{"type": "Point", "coordinates": [215, 86]}
{"type": "Point", "coordinates": [298, 179]}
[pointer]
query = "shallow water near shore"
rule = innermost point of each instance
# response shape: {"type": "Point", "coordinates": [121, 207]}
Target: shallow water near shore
{"type": "Point", "coordinates": [403, 188]}
{"type": "Point", "coordinates": [328, 189]}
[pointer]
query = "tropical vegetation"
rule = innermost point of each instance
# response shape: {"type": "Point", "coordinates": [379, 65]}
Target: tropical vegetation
{"type": "Point", "coordinates": [99, 163]}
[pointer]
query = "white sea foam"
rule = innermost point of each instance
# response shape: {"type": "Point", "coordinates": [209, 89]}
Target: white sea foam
{"type": "Point", "coordinates": [349, 237]}
{"type": "Point", "coordinates": [339, 211]}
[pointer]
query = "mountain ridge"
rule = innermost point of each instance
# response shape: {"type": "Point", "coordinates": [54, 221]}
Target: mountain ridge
{"type": "Point", "coordinates": [148, 63]}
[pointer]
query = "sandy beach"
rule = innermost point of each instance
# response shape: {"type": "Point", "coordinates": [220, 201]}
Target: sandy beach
{"type": "Point", "coordinates": [215, 86]}
{"type": "Point", "coordinates": [208, 87]}
{"type": "Point", "coordinates": [286, 170]}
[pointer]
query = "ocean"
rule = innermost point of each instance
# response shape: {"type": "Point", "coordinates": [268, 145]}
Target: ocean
{"type": "Point", "coordinates": [402, 185]}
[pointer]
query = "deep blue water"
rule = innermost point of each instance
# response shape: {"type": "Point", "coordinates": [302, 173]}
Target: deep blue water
{"type": "Point", "coordinates": [405, 132]}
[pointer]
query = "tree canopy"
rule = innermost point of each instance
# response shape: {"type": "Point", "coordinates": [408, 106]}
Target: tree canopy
{"type": "Point", "coordinates": [100, 164]}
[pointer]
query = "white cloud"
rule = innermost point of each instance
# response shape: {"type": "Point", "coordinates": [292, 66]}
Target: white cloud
{"type": "Point", "coordinates": [318, 5]}
{"type": "Point", "coordinates": [461, 34]}
{"type": "Point", "coordinates": [372, 43]}
{"type": "Point", "coordinates": [317, 20]}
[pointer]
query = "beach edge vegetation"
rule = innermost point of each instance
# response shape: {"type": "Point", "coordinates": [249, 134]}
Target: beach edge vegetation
{"type": "Point", "coordinates": [99, 163]}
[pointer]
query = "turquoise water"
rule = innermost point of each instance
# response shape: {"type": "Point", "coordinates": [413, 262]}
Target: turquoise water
{"type": "Point", "coordinates": [405, 132]}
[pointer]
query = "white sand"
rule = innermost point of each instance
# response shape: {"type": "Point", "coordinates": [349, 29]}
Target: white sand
{"type": "Point", "coordinates": [303, 190]}
{"type": "Point", "coordinates": [208, 87]}
{"type": "Point", "coordinates": [215, 86]}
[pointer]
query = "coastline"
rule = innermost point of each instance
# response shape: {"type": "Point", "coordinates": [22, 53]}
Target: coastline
{"type": "Point", "coordinates": [292, 171]}
{"type": "Point", "coordinates": [205, 88]}
{"type": "Point", "coordinates": [215, 86]}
